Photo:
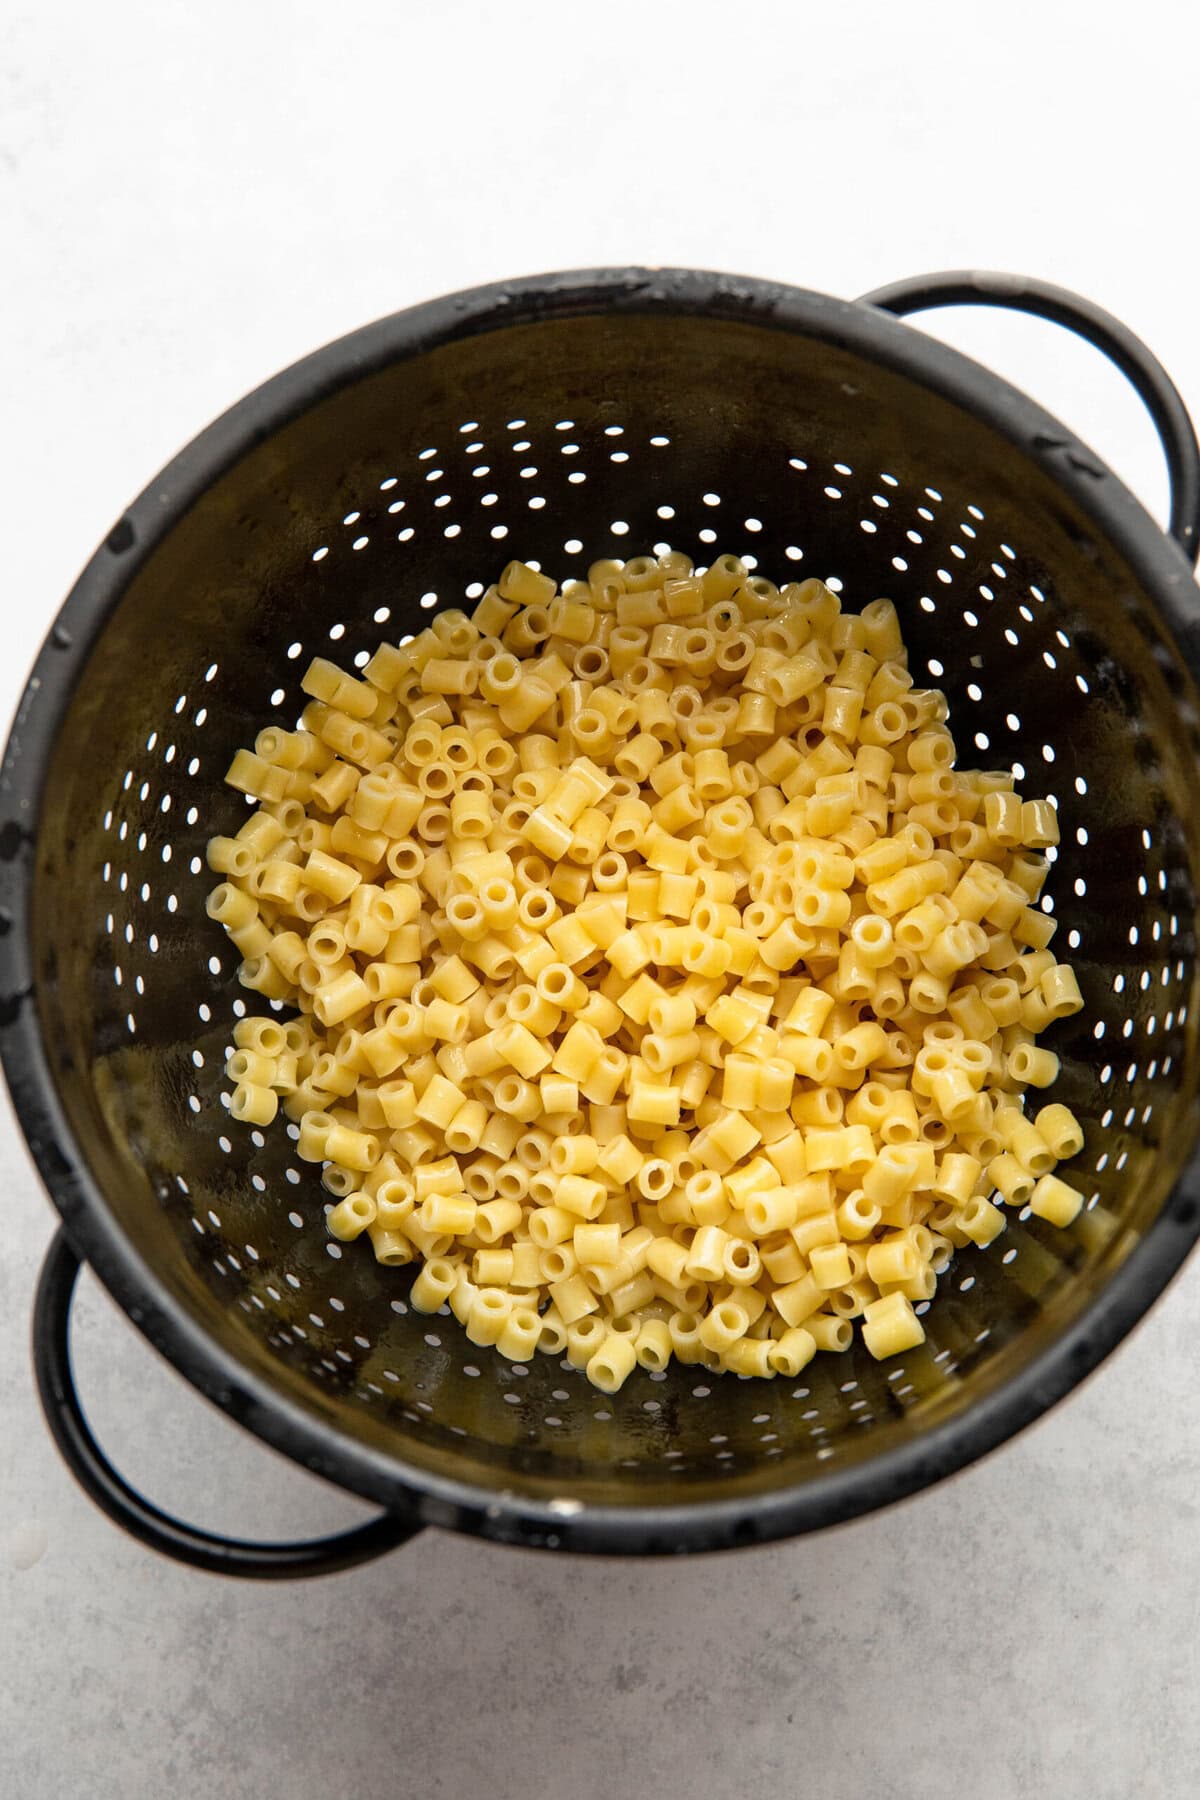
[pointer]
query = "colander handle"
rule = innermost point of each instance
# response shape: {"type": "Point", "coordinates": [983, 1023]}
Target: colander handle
{"type": "Point", "coordinates": [1020, 293]}
{"type": "Point", "coordinates": [129, 1509]}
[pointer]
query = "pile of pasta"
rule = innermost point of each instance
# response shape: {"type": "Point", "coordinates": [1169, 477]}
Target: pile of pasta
{"type": "Point", "coordinates": [660, 985]}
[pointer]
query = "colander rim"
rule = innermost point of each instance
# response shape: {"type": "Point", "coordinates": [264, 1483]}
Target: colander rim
{"type": "Point", "coordinates": [505, 1514]}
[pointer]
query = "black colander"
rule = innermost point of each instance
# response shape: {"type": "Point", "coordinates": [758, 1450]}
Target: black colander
{"type": "Point", "coordinates": [565, 419]}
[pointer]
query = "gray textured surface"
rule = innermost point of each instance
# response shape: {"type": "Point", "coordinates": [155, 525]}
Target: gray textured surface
{"type": "Point", "coordinates": [189, 198]}
{"type": "Point", "coordinates": [1031, 1627]}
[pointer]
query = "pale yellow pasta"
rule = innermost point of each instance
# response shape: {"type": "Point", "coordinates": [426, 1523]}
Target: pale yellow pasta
{"type": "Point", "coordinates": [1060, 1128]}
{"type": "Point", "coordinates": [1055, 1200]}
{"type": "Point", "coordinates": [663, 988]}
{"type": "Point", "coordinates": [520, 1334]}
{"type": "Point", "coordinates": [434, 1284]}
{"type": "Point", "coordinates": [830, 1332]}
{"type": "Point", "coordinates": [613, 1362]}
{"type": "Point", "coordinates": [253, 1103]}
{"type": "Point", "coordinates": [488, 1315]}
{"type": "Point", "coordinates": [891, 1326]}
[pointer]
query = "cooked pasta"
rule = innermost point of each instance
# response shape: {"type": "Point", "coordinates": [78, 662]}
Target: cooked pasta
{"type": "Point", "coordinates": [662, 988]}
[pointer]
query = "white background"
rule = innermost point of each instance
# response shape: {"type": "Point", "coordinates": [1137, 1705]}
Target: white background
{"type": "Point", "coordinates": [190, 197]}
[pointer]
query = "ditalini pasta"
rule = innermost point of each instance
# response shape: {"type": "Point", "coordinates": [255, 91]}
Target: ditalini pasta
{"type": "Point", "coordinates": [660, 985]}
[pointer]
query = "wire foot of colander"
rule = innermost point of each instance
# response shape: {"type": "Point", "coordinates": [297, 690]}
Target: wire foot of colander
{"type": "Point", "coordinates": [129, 1509]}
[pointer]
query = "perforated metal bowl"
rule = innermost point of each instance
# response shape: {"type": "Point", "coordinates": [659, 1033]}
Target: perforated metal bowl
{"type": "Point", "coordinates": [565, 419]}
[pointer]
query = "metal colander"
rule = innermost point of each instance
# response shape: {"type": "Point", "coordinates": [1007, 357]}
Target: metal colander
{"type": "Point", "coordinates": [562, 420]}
